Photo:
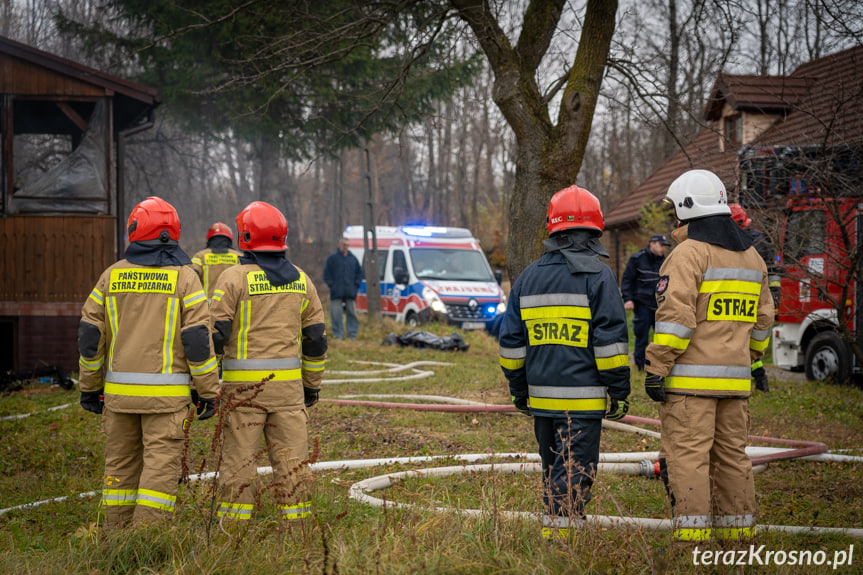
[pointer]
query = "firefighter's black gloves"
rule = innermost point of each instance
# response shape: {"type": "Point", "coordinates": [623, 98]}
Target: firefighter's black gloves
{"type": "Point", "coordinates": [194, 398]}
{"type": "Point", "coordinates": [520, 404]}
{"type": "Point", "coordinates": [760, 377]}
{"type": "Point", "coordinates": [654, 385]}
{"type": "Point", "coordinates": [92, 401]}
{"type": "Point", "coordinates": [206, 407]}
{"type": "Point", "coordinates": [310, 396]}
{"type": "Point", "coordinates": [618, 408]}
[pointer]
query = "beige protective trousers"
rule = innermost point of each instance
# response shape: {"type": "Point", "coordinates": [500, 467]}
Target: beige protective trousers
{"type": "Point", "coordinates": [710, 477]}
{"type": "Point", "coordinates": [143, 454]}
{"type": "Point", "coordinates": [288, 450]}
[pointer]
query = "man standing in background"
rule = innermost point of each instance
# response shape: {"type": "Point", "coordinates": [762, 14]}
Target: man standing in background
{"type": "Point", "coordinates": [638, 286]}
{"type": "Point", "coordinates": [343, 274]}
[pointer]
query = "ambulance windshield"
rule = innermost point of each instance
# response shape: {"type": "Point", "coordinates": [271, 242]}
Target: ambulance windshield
{"type": "Point", "coordinates": [450, 264]}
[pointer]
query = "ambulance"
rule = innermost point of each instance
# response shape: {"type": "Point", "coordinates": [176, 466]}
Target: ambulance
{"type": "Point", "coordinates": [431, 273]}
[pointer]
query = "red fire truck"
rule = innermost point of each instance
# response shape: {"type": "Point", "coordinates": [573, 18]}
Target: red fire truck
{"type": "Point", "coordinates": [818, 254]}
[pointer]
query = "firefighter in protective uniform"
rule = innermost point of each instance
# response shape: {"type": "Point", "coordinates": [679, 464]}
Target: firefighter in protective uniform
{"type": "Point", "coordinates": [713, 320]}
{"type": "Point", "coordinates": [774, 280]}
{"type": "Point", "coordinates": [144, 336]}
{"type": "Point", "coordinates": [267, 319]}
{"type": "Point", "coordinates": [563, 349]}
{"type": "Point", "coordinates": [210, 262]}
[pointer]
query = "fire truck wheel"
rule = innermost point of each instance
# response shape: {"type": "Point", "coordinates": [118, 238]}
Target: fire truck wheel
{"type": "Point", "coordinates": [827, 358]}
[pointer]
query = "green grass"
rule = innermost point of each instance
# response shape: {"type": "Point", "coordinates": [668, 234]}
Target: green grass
{"type": "Point", "coordinates": [54, 454]}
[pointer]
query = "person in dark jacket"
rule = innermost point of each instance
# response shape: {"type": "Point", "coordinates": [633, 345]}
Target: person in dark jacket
{"type": "Point", "coordinates": [564, 350]}
{"type": "Point", "coordinates": [343, 274]}
{"type": "Point", "coordinates": [638, 287]}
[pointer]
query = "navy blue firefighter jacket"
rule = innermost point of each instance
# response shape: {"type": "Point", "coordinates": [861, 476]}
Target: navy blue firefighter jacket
{"type": "Point", "coordinates": [638, 283]}
{"type": "Point", "coordinates": [563, 340]}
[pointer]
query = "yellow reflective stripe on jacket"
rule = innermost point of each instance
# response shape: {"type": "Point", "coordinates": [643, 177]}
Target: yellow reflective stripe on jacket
{"type": "Point", "coordinates": [204, 368]}
{"type": "Point", "coordinates": [672, 334]}
{"type": "Point", "coordinates": [298, 511]}
{"type": "Point", "coordinates": [554, 305]}
{"type": "Point", "coordinates": [133, 384]}
{"type": "Point", "coordinates": [552, 312]}
{"type": "Point", "coordinates": [92, 364]}
{"type": "Point", "coordinates": [194, 298]}
{"type": "Point", "coordinates": [133, 390]}
{"type": "Point", "coordinates": [197, 261]}
{"type": "Point", "coordinates": [206, 278]}
{"type": "Point", "coordinates": [707, 384]}
{"type": "Point", "coordinates": [258, 375]}
{"type": "Point", "coordinates": [111, 309]}
{"type": "Point", "coordinates": [670, 340]}
{"type": "Point", "coordinates": [731, 286]}
{"type": "Point", "coordinates": [170, 333]}
{"type": "Point", "coordinates": [612, 355]}
{"type": "Point", "coordinates": [759, 345]}
{"type": "Point", "coordinates": [97, 296]}
{"type": "Point", "coordinates": [314, 365]}
{"type": "Point", "coordinates": [235, 510]}
{"type": "Point", "coordinates": [512, 357]}
{"type": "Point", "coordinates": [709, 377]}
{"type": "Point", "coordinates": [156, 499]}
{"type": "Point", "coordinates": [511, 363]}
{"type": "Point", "coordinates": [304, 305]}
{"type": "Point", "coordinates": [759, 339]}
{"type": "Point", "coordinates": [243, 336]}
{"type": "Point", "coordinates": [218, 294]}
{"type": "Point", "coordinates": [119, 496]}
{"type": "Point", "coordinates": [558, 404]}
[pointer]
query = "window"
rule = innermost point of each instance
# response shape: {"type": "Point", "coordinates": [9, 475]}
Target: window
{"type": "Point", "coordinates": [450, 264]}
{"type": "Point", "coordinates": [734, 129]}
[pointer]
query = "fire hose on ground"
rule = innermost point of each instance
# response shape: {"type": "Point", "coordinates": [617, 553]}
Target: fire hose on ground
{"type": "Point", "coordinates": [632, 463]}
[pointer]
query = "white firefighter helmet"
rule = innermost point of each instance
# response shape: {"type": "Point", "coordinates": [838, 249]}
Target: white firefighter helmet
{"type": "Point", "coordinates": [696, 194]}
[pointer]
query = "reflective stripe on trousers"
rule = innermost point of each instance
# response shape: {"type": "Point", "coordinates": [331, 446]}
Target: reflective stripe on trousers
{"type": "Point", "coordinates": [296, 511]}
{"type": "Point", "coordinates": [235, 510]}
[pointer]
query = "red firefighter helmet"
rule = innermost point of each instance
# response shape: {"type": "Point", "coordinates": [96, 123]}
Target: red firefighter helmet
{"type": "Point", "coordinates": [739, 215]}
{"type": "Point", "coordinates": [574, 208]}
{"type": "Point", "coordinates": [220, 229]}
{"type": "Point", "coordinates": [152, 217]}
{"type": "Point", "coordinates": [262, 227]}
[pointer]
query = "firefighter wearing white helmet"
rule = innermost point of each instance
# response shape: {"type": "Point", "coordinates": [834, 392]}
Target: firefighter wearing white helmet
{"type": "Point", "coordinates": [144, 337]}
{"type": "Point", "coordinates": [269, 323]}
{"type": "Point", "coordinates": [713, 319]}
{"type": "Point", "coordinates": [210, 262]}
{"type": "Point", "coordinates": [564, 350]}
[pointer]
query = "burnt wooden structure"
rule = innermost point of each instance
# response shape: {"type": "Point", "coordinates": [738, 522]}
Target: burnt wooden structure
{"type": "Point", "coordinates": [62, 132]}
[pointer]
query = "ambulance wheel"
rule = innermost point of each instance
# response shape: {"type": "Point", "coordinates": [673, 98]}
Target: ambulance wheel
{"type": "Point", "coordinates": [412, 319]}
{"type": "Point", "coordinates": [827, 358]}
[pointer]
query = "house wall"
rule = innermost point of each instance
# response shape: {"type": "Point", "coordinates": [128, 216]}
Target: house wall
{"type": "Point", "coordinates": [45, 341]}
{"type": "Point", "coordinates": [53, 258]}
{"type": "Point", "coordinates": [756, 124]}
